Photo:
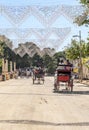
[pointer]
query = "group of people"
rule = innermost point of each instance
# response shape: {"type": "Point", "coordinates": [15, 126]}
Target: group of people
{"type": "Point", "coordinates": [64, 62]}
{"type": "Point", "coordinates": [24, 72]}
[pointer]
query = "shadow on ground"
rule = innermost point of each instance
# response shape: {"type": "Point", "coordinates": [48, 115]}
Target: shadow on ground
{"type": "Point", "coordinates": [55, 93]}
{"type": "Point", "coordinates": [34, 122]}
{"type": "Point", "coordinates": [72, 93]}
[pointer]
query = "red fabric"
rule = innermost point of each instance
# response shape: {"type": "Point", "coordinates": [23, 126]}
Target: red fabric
{"type": "Point", "coordinates": [63, 78]}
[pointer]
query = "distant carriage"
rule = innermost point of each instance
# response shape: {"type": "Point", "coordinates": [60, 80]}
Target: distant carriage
{"type": "Point", "coordinates": [38, 75]}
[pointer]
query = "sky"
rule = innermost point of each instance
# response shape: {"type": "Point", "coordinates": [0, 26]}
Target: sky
{"type": "Point", "coordinates": [37, 2]}
{"type": "Point", "coordinates": [61, 22]}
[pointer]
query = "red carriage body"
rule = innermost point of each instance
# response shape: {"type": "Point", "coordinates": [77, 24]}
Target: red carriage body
{"type": "Point", "coordinates": [64, 74]}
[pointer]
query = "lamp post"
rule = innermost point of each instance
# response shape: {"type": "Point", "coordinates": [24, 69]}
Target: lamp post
{"type": "Point", "coordinates": [80, 56]}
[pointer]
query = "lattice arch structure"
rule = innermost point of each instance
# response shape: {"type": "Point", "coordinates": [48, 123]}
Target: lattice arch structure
{"type": "Point", "coordinates": [46, 15]}
{"type": "Point", "coordinates": [23, 35]}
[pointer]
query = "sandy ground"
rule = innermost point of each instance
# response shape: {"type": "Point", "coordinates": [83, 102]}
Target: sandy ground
{"type": "Point", "coordinates": [24, 106]}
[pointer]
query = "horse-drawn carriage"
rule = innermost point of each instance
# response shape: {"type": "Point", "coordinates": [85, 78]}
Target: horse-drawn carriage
{"type": "Point", "coordinates": [63, 74]}
{"type": "Point", "coordinates": [38, 75]}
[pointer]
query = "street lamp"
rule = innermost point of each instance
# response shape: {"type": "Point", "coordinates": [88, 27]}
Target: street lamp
{"type": "Point", "coordinates": [80, 55]}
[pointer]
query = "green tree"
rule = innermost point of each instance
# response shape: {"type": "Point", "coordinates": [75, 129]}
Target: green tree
{"type": "Point", "coordinates": [9, 54]}
{"type": "Point", "coordinates": [73, 50]}
{"type": "Point", "coordinates": [18, 61]}
{"type": "Point", "coordinates": [26, 61]}
{"type": "Point", "coordinates": [49, 63]}
{"type": "Point", "coordinates": [37, 60]}
{"type": "Point", "coordinates": [1, 54]}
{"type": "Point", "coordinates": [87, 48]}
{"type": "Point", "coordinates": [46, 59]}
{"type": "Point", "coordinates": [86, 2]}
{"type": "Point", "coordinates": [2, 44]}
{"type": "Point", "coordinates": [77, 51]}
{"type": "Point", "coordinates": [83, 19]}
{"type": "Point", "coordinates": [58, 55]}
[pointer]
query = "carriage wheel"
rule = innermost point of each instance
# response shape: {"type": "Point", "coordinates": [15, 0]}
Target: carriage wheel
{"type": "Point", "coordinates": [33, 80]}
{"type": "Point", "coordinates": [56, 86]}
{"type": "Point", "coordinates": [38, 80]}
{"type": "Point", "coordinates": [71, 85]}
{"type": "Point", "coordinates": [43, 81]}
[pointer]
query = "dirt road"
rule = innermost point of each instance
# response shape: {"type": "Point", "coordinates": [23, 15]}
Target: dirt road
{"type": "Point", "coordinates": [24, 106]}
